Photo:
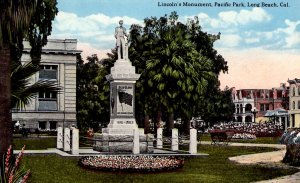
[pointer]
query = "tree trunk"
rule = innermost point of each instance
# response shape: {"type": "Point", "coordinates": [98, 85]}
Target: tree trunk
{"type": "Point", "coordinates": [170, 123]}
{"type": "Point", "coordinates": [186, 125]}
{"type": "Point", "coordinates": [157, 121]}
{"type": "Point", "coordinates": [5, 106]}
{"type": "Point", "coordinates": [146, 124]}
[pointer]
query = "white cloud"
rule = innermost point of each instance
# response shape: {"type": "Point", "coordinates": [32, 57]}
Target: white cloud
{"type": "Point", "coordinates": [292, 35]}
{"type": "Point", "coordinates": [227, 19]}
{"type": "Point", "coordinates": [229, 40]}
{"type": "Point", "coordinates": [244, 16]}
{"type": "Point", "coordinates": [293, 40]}
{"type": "Point", "coordinates": [252, 40]}
{"type": "Point", "coordinates": [96, 29]}
{"type": "Point", "coordinates": [287, 37]}
{"type": "Point", "coordinates": [88, 50]}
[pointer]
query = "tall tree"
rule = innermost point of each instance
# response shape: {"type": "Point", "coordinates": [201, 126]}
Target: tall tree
{"type": "Point", "coordinates": [174, 70]}
{"type": "Point", "coordinates": [93, 89]}
{"type": "Point", "coordinates": [218, 107]}
{"type": "Point", "coordinates": [19, 19]}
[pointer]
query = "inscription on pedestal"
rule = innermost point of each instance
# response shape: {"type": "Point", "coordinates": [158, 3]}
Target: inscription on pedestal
{"type": "Point", "coordinates": [125, 100]}
{"type": "Point", "coordinates": [125, 122]}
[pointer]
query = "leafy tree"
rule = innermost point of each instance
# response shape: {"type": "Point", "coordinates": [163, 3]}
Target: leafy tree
{"type": "Point", "coordinates": [93, 92]}
{"type": "Point", "coordinates": [175, 69]}
{"type": "Point", "coordinates": [19, 19]}
{"type": "Point", "coordinates": [218, 107]}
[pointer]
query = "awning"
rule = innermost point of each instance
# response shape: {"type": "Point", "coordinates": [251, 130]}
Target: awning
{"type": "Point", "coordinates": [276, 112]}
{"type": "Point", "coordinates": [262, 119]}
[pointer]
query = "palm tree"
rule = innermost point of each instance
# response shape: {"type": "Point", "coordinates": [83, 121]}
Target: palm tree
{"type": "Point", "coordinates": [19, 19]}
{"type": "Point", "coordinates": [174, 73]}
{"type": "Point", "coordinates": [22, 91]}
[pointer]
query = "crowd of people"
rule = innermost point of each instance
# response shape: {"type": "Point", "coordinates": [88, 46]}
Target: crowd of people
{"type": "Point", "coordinates": [132, 163]}
{"type": "Point", "coordinates": [251, 130]}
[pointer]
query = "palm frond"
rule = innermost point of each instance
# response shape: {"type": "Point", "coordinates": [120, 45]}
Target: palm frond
{"type": "Point", "coordinates": [22, 91]}
{"type": "Point", "coordinates": [23, 96]}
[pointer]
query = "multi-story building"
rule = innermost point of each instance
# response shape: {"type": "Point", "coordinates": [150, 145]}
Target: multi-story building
{"type": "Point", "coordinates": [262, 100]}
{"type": "Point", "coordinates": [294, 111]}
{"type": "Point", "coordinates": [49, 110]}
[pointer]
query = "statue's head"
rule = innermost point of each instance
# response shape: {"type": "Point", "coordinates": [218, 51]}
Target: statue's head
{"type": "Point", "coordinates": [121, 22]}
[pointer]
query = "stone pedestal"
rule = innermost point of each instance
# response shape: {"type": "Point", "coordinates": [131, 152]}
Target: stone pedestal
{"type": "Point", "coordinates": [67, 138]}
{"type": "Point", "coordinates": [193, 141]}
{"type": "Point", "coordinates": [75, 141]}
{"type": "Point", "coordinates": [59, 140]}
{"type": "Point", "coordinates": [175, 143]}
{"type": "Point", "coordinates": [123, 143]}
{"type": "Point", "coordinates": [159, 141]}
{"type": "Point", "coordinates": [122, 133]}
{"type": "Point", "coordinates": [136, 142]}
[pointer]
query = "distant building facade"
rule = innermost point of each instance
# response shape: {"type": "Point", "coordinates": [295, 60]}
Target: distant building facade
{"type": "Point", "coordinates": [49, 110]}
{"type": "Point", "coordinates": [262, 100]}
{"type": "Point", "coordinates": [294, 111]}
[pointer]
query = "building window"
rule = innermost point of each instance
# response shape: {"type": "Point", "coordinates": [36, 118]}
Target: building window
{"type": "Point", "coordinates": [47, 101]}
{"type": "Point", "coordinates": [248, 108]}
{"type": "Point", "coordinates": [48, 72]}
{"type": "Point", "coordinates": [298, 104]}
{"type": "Point", "coordinates": [267, 107]}
{"type": "Point", "coordinates": [262, 107]}
{"type": "Point", "coordinates": [294, 88]}
{"type": "Point", "coordinates": [53, 125]}
{"type": "Point", "coordinates": [42, 125]}
{"type": "Point", "coordinates": [294, 105]}
{"type": "Point", "coordinates": [298, 90]}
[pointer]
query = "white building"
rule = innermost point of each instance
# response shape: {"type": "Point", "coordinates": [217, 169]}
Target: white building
{"type": "Point", "coordinates": [49, 110]}
{"type": "Point", "coordinates": [243, 106]}
{"type": "Point", "coordinates": [294, 110]}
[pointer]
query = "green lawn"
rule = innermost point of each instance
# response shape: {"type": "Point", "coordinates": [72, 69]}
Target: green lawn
{"type": "Point", "coordinates": [214, 168]}
{"type": "Point", "coordinates": [34, 143]}
{"type": "Point", "coordinates": [38, 143]}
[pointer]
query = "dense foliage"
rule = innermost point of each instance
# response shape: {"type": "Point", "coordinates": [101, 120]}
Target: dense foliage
{"type": "Point", "coordinates": [92, 92]}
{"type": "Point", "coordinates": [19, 20]}
{"type": "Point", "coordinates": [179, 71]}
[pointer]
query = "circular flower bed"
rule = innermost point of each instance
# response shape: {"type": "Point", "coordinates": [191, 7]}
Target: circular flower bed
{"type": "Point", "coordinates": [132, 163]}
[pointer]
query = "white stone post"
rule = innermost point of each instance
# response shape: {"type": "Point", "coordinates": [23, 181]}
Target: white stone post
{"type": "Point", "coordinates": [136, 141]}
{"type": "Point", "coordinates": [174, 139]}
{"type": "Point", "coordinates": [67, 143]}
{"type": "Point", "coordinates": [193, 141]}
{"type": "Point", "coordinates": [159, 141]}
{"type": "Point", "coordinates": [75, 141]}
{"type": "Point", "coordinates": [59, 139]}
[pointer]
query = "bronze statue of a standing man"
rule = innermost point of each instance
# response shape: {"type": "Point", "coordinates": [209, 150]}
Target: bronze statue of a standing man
{"type": "Point", "coordinates": [120, 34]}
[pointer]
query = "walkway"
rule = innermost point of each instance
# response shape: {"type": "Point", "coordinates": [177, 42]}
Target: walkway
{"type": "Point", "coordinates": [91, 152]}
{"type": "Point", "coordinates": [265, 158]}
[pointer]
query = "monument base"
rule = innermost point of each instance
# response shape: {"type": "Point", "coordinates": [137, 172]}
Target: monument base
{"type": "Point", "coordinates": [115, 143]}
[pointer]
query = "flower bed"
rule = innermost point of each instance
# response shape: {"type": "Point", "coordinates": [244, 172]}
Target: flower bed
{"type": "Point", "coordinates": [244, 136]}
{"type": "Point", "coordinates": [132, 163]}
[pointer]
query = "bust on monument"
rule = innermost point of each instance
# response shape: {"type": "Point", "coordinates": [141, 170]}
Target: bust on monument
{"type": "Point", "coordinates": [122, 44]}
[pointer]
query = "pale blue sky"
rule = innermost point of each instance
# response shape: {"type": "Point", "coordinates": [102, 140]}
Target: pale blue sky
{"type": "Point", "coordinates": [243, 29]}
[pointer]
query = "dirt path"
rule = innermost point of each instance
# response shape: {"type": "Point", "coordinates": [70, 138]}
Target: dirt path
{"type": "Point", "coordinates": [274, 158]}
